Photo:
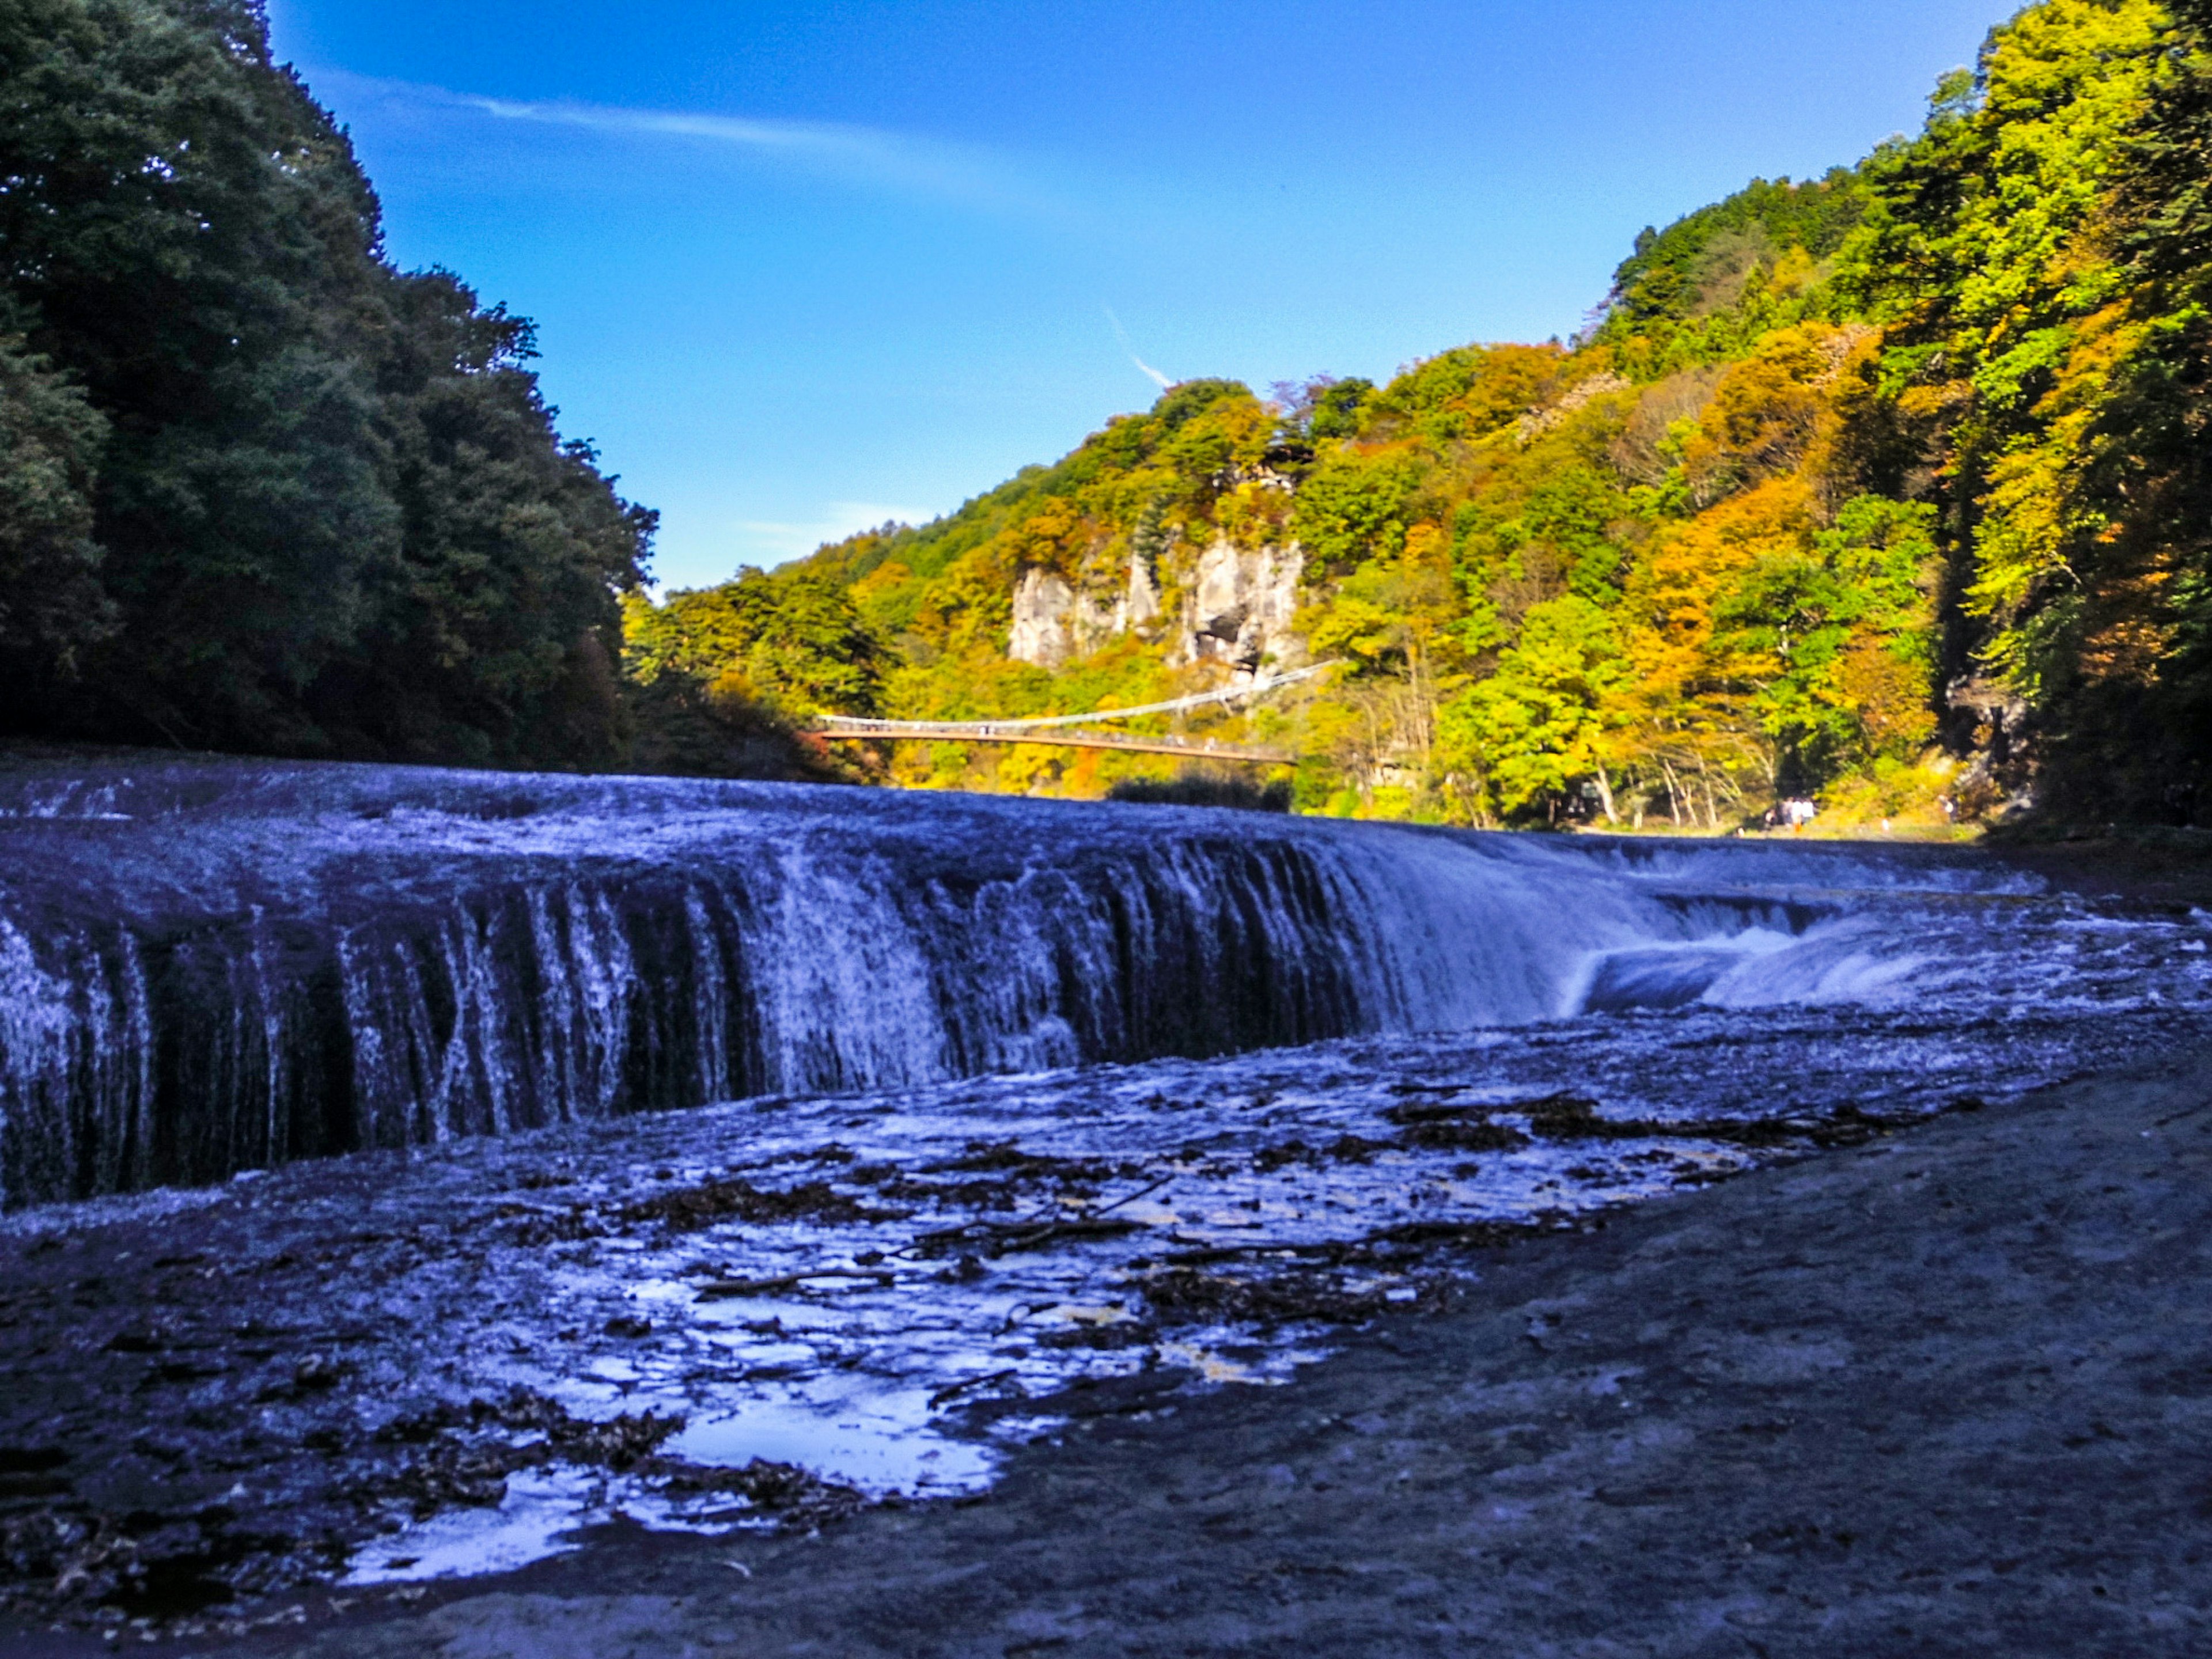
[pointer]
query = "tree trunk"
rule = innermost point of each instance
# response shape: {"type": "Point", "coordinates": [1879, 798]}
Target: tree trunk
{"type": "Point", "coordinates": [1604, 796]}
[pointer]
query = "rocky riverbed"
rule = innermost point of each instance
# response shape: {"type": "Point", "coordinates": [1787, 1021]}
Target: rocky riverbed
{"type": "Point", "coordinates": [352, 1381]}
{"type": "Point", "coordinates": [1945, 1392]}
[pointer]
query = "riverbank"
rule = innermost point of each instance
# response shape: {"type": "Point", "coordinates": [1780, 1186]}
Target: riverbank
{"type": "Point", "coordinates": [2147, 862]}
{"type": "Point", "coordinates": [1944, 1393]}
{"type": "Point", "coordinates": [2153, 864]}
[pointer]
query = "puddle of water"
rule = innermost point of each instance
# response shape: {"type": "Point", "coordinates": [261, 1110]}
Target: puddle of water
{"type": "Point", "coordinates": [879, 1442]}
{"type": "Point", "coordinates": [541, 1509]}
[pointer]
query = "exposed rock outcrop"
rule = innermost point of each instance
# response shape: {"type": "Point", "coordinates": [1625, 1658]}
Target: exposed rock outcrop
{"type": "Point", "coordinates": [1233, 605]}
{"type": "Point", "coordinates": [1240, 607]}
{"type": "Point", "coordinates": [1047, 616]}
{"type": "Point", "coordinates": [1053, 621]}
{"type": "Point", "coordinates": [1537, 422]}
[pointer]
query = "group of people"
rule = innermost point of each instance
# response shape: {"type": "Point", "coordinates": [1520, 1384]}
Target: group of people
{"type": "Point", "coordinates": [1792, 813]}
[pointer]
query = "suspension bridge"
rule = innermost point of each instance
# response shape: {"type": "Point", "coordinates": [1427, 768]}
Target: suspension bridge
{"type": "Point", "coordinates": [1079, 731]}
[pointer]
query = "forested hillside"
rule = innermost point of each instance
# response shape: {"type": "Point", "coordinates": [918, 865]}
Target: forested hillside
{"type": "Point", "coordinates": [259, 490]}
{"type": "Point", "coordinates": [1890, 486]}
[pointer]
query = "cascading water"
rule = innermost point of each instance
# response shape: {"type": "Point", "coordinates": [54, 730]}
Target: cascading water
{"type": "Point", "coordinates": [211, 966]}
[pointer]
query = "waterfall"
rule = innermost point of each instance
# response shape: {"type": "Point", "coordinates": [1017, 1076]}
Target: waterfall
{"type": "Point", "coordinates": [212, 966]}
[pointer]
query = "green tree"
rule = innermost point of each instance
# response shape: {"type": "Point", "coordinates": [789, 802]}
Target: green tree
{"type": "Point", "coordinates": [2133, 728]}
{"type": "Point", "coordinates": [1336, 408]}
{"type": "Point", "coordinates": [1984, 258]}
{"type": "Point", "coordinates": [1794, 621]}
{"type": "Point", "coordinates": [495, 634]}
{"type": "Point", "coordinates": [328, 513]}
{"type": "Point", "coordinates": [1541, 723]}
{"type": "Point", "coordinates": [793, 639]}
{"type": "Point", "coordinates": [52, 607]}
{"type": "Point", "coordinates": [1355, 506]}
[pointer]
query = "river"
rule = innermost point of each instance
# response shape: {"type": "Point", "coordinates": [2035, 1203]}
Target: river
{"type": "Point", "coordinates": [865, 1132]}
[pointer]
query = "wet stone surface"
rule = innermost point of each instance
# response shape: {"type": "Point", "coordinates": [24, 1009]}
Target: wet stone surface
{"type": "Point", "coordinates": [357, 1374]}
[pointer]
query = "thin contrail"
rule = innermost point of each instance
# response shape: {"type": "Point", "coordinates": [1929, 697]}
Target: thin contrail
{"type": "Point", "coordinates": [1143, 368]}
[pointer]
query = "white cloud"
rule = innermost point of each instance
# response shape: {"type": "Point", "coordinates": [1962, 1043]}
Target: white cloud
{"type": "Point", "coordinates": [854, 155]}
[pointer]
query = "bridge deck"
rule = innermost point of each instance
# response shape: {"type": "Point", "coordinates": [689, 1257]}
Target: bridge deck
{"type": "Point", "coordinates": [985, 732]}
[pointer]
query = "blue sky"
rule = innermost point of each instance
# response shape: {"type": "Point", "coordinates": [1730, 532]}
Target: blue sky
{"type": "Point", "coordinates": [800, 269]}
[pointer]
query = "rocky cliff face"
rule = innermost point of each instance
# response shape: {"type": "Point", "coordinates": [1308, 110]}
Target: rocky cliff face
{"type": "Point", "coordinates": [1229, 604]}
{"type": "Point", "coordinates": [1053, 621]}
{"type": "Point", "coordinates": [1239, 607]}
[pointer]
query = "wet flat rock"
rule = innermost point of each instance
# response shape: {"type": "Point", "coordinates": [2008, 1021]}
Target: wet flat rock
{"type": "Point", "coordinates": [219, 1401]}
{"type": "Point", "coordinates": [1945, 1393]}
